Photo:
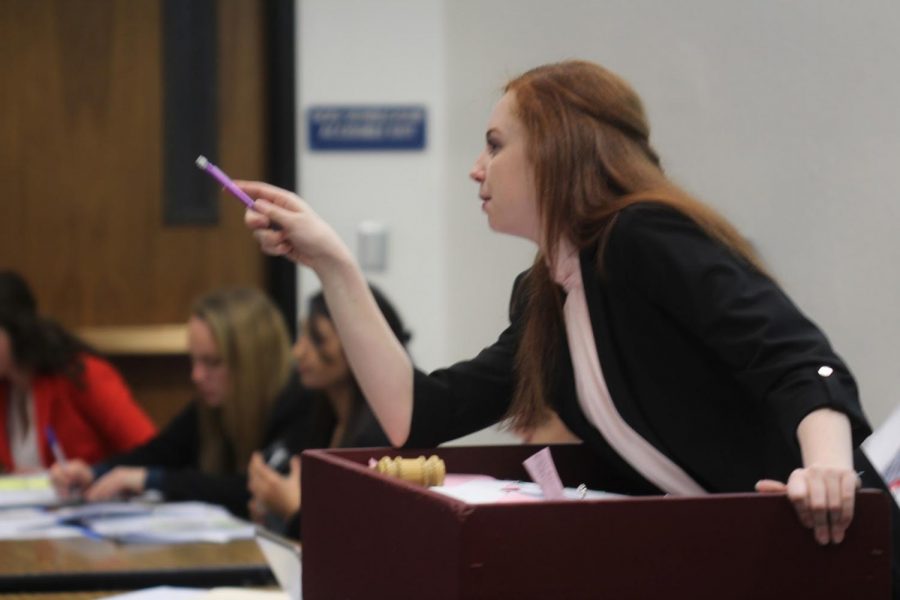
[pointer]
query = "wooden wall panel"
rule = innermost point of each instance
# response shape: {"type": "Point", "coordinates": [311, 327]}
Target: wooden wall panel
{"type": "Point", "coordinates": [80, 160]}
{"type": "Point", "coordinates": [80, 168]}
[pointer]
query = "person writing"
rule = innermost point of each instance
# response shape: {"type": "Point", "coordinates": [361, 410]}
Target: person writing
{"type": "Point", "coordinates": [58, 397]}
{"type": "Point", "coordinates": [646, 321]}
{"type": "Point", "coordinates": [246, 400]}
{"type": "Point", "coordinates": [339, 415]}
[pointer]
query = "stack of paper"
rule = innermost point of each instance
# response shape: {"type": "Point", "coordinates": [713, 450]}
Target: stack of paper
{"type": "Point", "coordinates": [33, 524]}
{"type": "Point", "coordinates": [883, 449]}
{"type": "Point", "coordinates": [171, 523]}
{"type": "Point", "coordinates": [27, 490]}
{"type": "Point", "coordinates": [137, 522]}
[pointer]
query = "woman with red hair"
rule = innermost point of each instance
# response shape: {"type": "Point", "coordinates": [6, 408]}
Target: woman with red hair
{"type": "Point", "coordinates": [646, 321]}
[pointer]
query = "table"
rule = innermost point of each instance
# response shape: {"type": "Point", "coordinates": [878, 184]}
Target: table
{"type": "Point", "coordinates": [58, 595]}
{"type": "Point", "coordinates": [84, 564]}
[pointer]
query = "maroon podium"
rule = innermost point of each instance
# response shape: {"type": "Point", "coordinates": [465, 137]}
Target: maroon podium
{"type": "Point", "coordinates": [366, 535]}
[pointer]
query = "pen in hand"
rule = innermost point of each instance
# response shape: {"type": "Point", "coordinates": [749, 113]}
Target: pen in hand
{"type": "Point", "coordinates": [219, 175]}
{"type": "Point", "coordinates": [278, 459]}
{"type": "Point", "coordinates": [55, 448]}
{"type": "Point", "coordinates": [216, 173]}
{"type": "Point", "coordinates": [66, 476]}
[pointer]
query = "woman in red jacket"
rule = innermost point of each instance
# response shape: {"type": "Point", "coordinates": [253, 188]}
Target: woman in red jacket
{"type": "Point", "coordinates": [51, 381]}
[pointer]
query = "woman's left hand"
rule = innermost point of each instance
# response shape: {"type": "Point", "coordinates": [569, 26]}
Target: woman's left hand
{"type": "Point", "coordinates": [823, 497]}
{"type": "Point", "coordinates": [118, 483]}
{"type": "Point", "coordinates": [271, 492]}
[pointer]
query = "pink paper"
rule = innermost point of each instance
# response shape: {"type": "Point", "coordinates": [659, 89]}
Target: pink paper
{"type": "Point", "coordinates": [543, 472]}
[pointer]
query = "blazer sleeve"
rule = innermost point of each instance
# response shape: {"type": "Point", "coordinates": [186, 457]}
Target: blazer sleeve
{"type": "Point", "coordinates": [108, 405]}
{"type": "Point", "coordinates": [287, 422]}
{"type": "Point", "coordinates": [171, 462]}
{"type": "Point", "coordinates": [470, 395]}
{"type": "Point", "coordinates": [228, 490]}
{"type": "Point", "coordinates": [743, 317]}
{"type": "Point", "coordinates": [175, 446]}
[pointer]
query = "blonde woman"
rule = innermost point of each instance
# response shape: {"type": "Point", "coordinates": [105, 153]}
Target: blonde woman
{"type": "Point", "coordinates": [246, 400]}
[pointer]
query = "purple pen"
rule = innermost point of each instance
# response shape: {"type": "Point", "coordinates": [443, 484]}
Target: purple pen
{"type": "Point", "coordinates": [204, 165]}
{"type": "Point", "coordinates": [55, 448]}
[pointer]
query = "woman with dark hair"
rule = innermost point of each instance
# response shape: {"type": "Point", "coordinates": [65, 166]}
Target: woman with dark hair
{"type": "Point", "coordinates": [246, 400]}
{"type": "Point", "coordinates": [53, 383]}
{"type": "Point", "coordinates": [646, 320]}
{"type": "Point", "coordinates": [340, 416]}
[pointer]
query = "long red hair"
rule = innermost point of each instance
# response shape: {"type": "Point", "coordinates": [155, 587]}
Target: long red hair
{"type": "Point", "coordinates": [589, 144]}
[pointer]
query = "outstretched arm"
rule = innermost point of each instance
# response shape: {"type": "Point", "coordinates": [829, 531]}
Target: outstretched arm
{"type": "Point", "coordinates": [380, 364]}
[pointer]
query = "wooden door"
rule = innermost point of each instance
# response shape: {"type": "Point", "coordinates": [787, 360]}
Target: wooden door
{"type": "Point", "coordinates": [81, 155]}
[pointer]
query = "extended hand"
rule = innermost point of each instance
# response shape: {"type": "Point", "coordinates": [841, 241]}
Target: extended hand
{"type": "Point", "coordinates": [302, 236]}
{"type": "Point", "coordinates": [823, 498]}
{"type": "Point", "coordinates": [118, 483]}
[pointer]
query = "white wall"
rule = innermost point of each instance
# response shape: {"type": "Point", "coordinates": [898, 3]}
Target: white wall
{"type": "Point", "coordinates": [355, 52]}
{"type": "Point", "coordinates": [783, 115]}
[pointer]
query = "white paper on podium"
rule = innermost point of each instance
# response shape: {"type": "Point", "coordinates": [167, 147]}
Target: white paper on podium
{"type": "Point", "coordinates": [498, 491]}
{"type": "Point", "coordinates": [883, 450]}
{"type": "Point", "coordinates": [883, 445]}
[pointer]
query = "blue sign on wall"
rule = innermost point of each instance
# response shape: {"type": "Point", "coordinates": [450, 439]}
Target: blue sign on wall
{"type": "Point", "coordinates": [366, 127]}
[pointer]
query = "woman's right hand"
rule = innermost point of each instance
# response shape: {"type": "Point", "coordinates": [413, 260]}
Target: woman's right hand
{"type": "Point", "coordinates": [71, 478]}
{"type": "Point", "coordinates": [301, 235]}
{"type": "Point", "coordinates": [271, 492]}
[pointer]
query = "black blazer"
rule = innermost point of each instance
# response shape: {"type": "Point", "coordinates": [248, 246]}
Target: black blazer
{"type": "Point", "coordinates": [172, 456]}
{"type": "Point", "coordinates": [704, 356]}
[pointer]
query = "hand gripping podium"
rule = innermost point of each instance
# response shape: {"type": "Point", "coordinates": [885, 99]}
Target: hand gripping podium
{"type": "Point", "coordinates": [366, 535]}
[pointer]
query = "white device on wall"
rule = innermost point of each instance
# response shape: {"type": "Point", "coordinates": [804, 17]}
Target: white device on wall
{"type": "Point", "coordinates": [372, 246]}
